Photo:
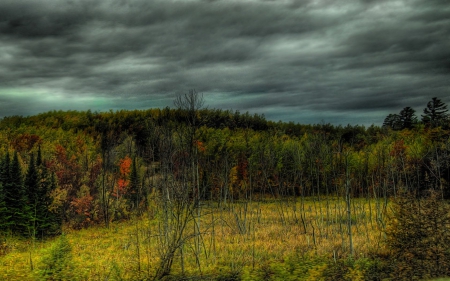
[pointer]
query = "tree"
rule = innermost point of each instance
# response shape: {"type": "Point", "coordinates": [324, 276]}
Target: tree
{"type": "Point", "coordinates": [392, 121]}
{"type": "Point", "coordinates": [3, 211]}
{"type": "Point", "coordinates": [31, 186]}
{"type": "Point", "coordinates": [418, 236]}
{"type": "Point", "coordinates": [134, 191]}
{"type": "Point", "coordinates": [15, 198]}
{"type": "Point", "coordinates": [58, 264]}
{"type": "Point", "coordinates": [407, 118]}
{"type": "Point", "coordinates": [4, 178]}
{"type": "Point", "coordinates": [435, 113]}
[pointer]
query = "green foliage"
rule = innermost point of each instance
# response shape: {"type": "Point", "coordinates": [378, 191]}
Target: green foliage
{"type": "Point", "coordinates": [18, 211]}
{"type": "Point", "coordinates": [134, 194]}
{"type": "Point", "coordinates": [292, 268]}
{"type": "Point", "coordinates": [435, 114]}
{"type": "Point", "coordinates": [418, 237]}
{"type": "Point", "coordinates": [57, 265]}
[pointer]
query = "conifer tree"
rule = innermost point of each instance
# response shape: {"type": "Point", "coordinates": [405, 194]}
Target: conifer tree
{"type": "Point", "coordinates": [48, 222]}
{"type": "Point", "coordinates": [52, 219]}
{"type": "Point", "coordinates": [31, 186]}
{"type": "Point", "coordinates": [39, 162]}
{"type": "Point", "coordinates": [31, 182]}
{"type": "Point", "coordinates": [16, 200]}
{"type": "Point", "coordinates": [3, 210]}
{"type": "Point", "coordinates": [407, 118]}
{"type": "Point", "coordinates": [134, 192]}
{"type": "Point", "coordinates": [418, 236]}
{"type": "Point", "coordinates": [4, 172]}
{"type": "Point", "coordinates": [392, 121]}
{"type": "Point", "coordinates": [435, 113]}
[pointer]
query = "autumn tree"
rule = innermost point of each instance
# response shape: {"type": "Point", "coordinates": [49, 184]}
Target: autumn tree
{"type": "Point", "coordinates": [32, 191]}
{"type": "Point", "coordinates": [38, 185]}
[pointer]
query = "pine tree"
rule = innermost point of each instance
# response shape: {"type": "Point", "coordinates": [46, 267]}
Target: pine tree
{"type": "Point", "coordinates": [3, 210]}
{"type": "Point", "coordinates": [134, 192]}
{"type": "Point", "coordinates": [31, 186]}
{"type": "Point", "coordinates": [418, 235]}
{"type": "Point", "coordinates": [392, 121]}
{"type": "Point", "coordinates": [47, 222]}
{"type": "Point", "coordinates": [407, 118]}
{"type": "Point", "coordinates": [16, 200]}
{"type": "Point", "coordinates": [435, 113]}
{"type": "Point", "coordinates": [4, 173]}
{"type": "Point", "coordinates": [39, 157]}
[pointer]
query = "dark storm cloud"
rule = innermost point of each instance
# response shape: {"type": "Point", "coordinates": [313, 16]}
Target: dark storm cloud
{"type": "Point", "coordinates": [338, 61]}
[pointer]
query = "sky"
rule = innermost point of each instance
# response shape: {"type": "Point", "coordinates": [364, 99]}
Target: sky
{"type": "Point", "coordinates": [306, 61]}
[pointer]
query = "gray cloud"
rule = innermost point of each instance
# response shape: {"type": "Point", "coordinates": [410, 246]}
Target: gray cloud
{"type": "Point", "coordinates": [305, 61]}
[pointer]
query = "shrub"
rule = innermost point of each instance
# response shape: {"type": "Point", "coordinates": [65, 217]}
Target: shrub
{"type": "Point", "coordinates": [58, 263]}
{"type": "Point", "coordinates": [418, 236]}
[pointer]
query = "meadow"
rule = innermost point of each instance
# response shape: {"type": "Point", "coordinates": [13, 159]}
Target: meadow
{"type": "Point", "coordinates": [241, 240]}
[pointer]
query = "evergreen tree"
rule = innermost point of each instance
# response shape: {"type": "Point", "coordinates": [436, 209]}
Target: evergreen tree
{"type": "Point", "coordinates": [31, 186]}
{"type": "Point", "coordinates": [4, 171]}
{"type": "Point", "coordinates": [16, 200]}
{"type": "Point", "coordinates": [435, 113]}
{"type": "Point", "coordinates": [41, 183]}
{"type": "Point", "coordinates": [37, 186]}
{"type": "Point", "coordinates": [32, 182]}
{"type": "Point", "coordinates": [39, 157]}
{"type": "Point", "coordinates": [418, 237]}
{"type": "Point", "coordinates": [407, 118]}
{"type": "Point", "coordinates": [51, 220]}
{"type": "Point", "coordinates": [392, 121]}
{"type": "Point", "coordinates": [3, 210]}
{"type": "Point", "coordinates": [134, 192]}
{"type": "Point", "coordinates": [4, 174]}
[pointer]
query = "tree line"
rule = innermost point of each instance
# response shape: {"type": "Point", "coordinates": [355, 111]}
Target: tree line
{"type": "Point", "coordinates": [85, 168]}
{"type": "Point", "coordinates": [434, 115]}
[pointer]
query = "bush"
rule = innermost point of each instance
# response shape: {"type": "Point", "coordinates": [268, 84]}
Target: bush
{"type": "Point", "coordinates": [58, 263]}
{"type": "Point", "coordinates": [418, 236]}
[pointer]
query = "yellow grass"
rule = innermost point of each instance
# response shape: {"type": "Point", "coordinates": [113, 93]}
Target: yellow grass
{"type": "Point", "coordinates": [274, 231]}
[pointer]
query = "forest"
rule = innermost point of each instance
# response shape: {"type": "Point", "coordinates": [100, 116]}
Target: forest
{"type": "Point", "coordinates": [191, 193]}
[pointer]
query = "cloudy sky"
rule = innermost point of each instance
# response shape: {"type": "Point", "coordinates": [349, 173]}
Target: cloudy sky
{"type": "Point", "coordinates": [307, 61]}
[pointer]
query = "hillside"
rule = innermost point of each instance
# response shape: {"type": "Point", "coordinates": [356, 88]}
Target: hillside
{"type": "Point", "coordinates": [177, 176]}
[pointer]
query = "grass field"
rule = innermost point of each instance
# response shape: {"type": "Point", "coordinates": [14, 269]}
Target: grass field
{"type": "Point", "coordinates": [235, 240]}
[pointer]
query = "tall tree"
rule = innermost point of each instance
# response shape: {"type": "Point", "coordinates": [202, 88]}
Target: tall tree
{"type": "Point", "coordinates": [392, 121]}
{"type": "Point", "coordinates": [407, 118]}
{"type": "Point", "coordinates": [15, 198]}
{"type": "Point", "coordinates": [31, 187]}
{"type": "Point", "coordinates": [435, 113]}
{"type": "Point", "coordinates": [134, 191]}
{"type": "Point", "coordinates": [4, 179]}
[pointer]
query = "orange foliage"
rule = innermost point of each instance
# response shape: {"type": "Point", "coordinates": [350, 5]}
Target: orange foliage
{"type": "Point", "coordinates": [398, 148]}
{"type": "Point", "coordinates": [200, 146]}
{"type": "Point", "coordinates": [124, 172]}
{"type": "Point", "coordinates": [25, 142]}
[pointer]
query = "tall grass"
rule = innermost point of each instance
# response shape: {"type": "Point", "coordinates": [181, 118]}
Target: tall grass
{"type": "Point", "coordinates": [236, 238]}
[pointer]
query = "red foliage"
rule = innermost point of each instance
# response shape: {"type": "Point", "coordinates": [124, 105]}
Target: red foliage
{"type": "Point", "coordinates": [25, 142]}
{"type": "Point", "coordinates": [83, 208]}
{"type": "Point", "coordinates": [94, 172]}
{"type": "Point", "coordinates": [398, 149]}
{"type": "Point", "coordinates": [200, 146]}
{"type": "Point", "coordinates": [123, 181]}
{"type": "Point", "coordinates": [242, 169]}
{"type": "Point", "coordinates": [68, 171]}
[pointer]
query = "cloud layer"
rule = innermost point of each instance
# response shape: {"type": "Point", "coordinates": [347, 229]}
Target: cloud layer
{"type": "Point", "coordinates": [342, 62]}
